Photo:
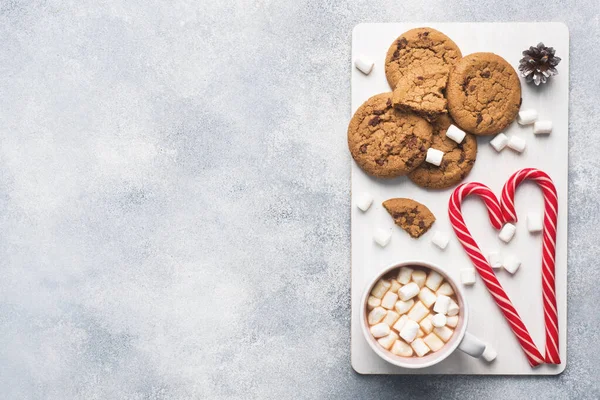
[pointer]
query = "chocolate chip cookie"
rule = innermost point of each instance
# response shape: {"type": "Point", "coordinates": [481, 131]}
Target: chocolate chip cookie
{"type": "Point", "coordinates": [457, 162]}
{"type": "Point", "coordinates": [419, 47]}
{"type": "Point", "coordinates": [410, 215]}
{"type": "Point", "coordinates": [386, 142]}
{"type": "Point", "coordinates": [484, 93]}
{"type": "Point", "coordinates": [422, 90]}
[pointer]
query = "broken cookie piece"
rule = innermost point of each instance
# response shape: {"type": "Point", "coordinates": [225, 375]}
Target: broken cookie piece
{"type": "Point", "coordinates": [410, 215]}
{"type": "Point", "coordinates": [422, 91]}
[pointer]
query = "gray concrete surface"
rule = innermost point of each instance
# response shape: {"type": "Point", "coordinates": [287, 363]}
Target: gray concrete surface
{"type": "Point", "coordinates": [174, 196]}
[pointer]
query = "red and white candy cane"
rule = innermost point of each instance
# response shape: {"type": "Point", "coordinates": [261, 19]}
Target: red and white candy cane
{"type": "Point", "coordinates": [482, 265]}
{"type": "Point", "coordinates": [548, 247]}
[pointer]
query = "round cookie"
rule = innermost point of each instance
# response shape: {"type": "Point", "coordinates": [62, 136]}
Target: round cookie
{"type": "Point", "coordinates": [484, 94]}
{"type": "Point", "coordinates": [419, 47]}
{"type": "Point", "coordinates": [457, 162]}
{"type": "Point", "coordinates": [386, 142]}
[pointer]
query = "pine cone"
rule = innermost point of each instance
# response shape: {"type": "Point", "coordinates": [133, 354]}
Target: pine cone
{"type": "Point", "coordinates": [538, 64]}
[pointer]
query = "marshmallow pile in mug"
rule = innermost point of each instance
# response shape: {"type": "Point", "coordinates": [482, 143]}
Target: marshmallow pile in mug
{"type": "Point", "coordinates": [412, 312]}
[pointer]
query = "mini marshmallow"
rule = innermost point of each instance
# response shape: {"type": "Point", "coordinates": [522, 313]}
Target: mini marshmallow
{"type": "Point", "coordinates": [409, 331]}
{"type": "Point", "coordinates": [434, 280]}
{"type": "Point", "coordinates": [467, 276]}
{"type": "Point", "coordinates": [495, 260]}
{"type": "Point", "coordinates": [443, 333]}
{"type": "Point", "coordinates": [402, 307]}
{"type": "Point", "coordinates": [439, 320]}
{"type": "Point", "coordinates": [489, 354]}
{"type": "Point", "coordinates": [380, 288]}
{"type": "Point", "coordinates": [527, 117]}
{"type": "Point", "coordinates": [499, 142]}
{"type": "Point", "coordinates": [364, 201]}
{"type": "Point", "coordinates": [389, 300]}
{"type": "Point", "coordinates": [426, 325]}
{"type": "Point", "coordinates": [376, 315]}
{"type": "Point", "coordinates": [455, 134]}
{"type": "Point", "coordinates": [535, 222]}
{"type": "Point", "coordinates": [409, 291]}
{"type": "Point", "coordinates": [395, 286]}
{"type": "Point", "coordinates": [512, 264]}
{"type": "Point", "coordinates": [452, 321]}
{"type": "Point", "coordinates": [433, 342]}
{"type": "Point", "coordinates": [391, 318]}
{"type": "Point", "coordinates": [427, 297]}
{"type": "Point", "coordinates": [440, 239]}
{"type": "Point", "coordinates": [434, 156]}
{"type": "Point", "coordinates": [507, 232]}
{"type": "Point", "coordinates": [441, 305]}
{"type": "Point", "coordinates": [420, 333]}
{"type": "Point", "coordinates": [418, 312]}
{"type": "Point", "coordinates": [404, 275]}
{"type": "Point", "coordinates": [453, 309]}
{"type": "Point", "coordinates": [373, 302]}
{"type": "Point", "coordinates": [517, 144]}
{"type": "Point", "coordinates": [445, 289]}
{"type": "Point", "coordinates": [382, 237]}
{"type": "Point", "coordinates": [380, 330]}
{"type": "Point", "coordinates": [400, 323]}
{"type": "Point", "coordinates": [420, 347]}
{"type": "Point", "coordinates": [419, 278]}
{"type": "Point", "coordinates": [402, 349]}
{"type": "Point", "coordinates": [387, 341]}
{"type": "Point", "coordinates": [542, 127]}
{"type": "Point", "coordinates": [363, 64]}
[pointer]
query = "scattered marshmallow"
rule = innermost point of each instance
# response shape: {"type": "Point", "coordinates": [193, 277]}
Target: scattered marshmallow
{"type": "Point", "coordinates": [426, 324]}
{"type": "Point", "coordinates": [440, 239]}
{"type": "Point", "coordinates": [409, 291]}
{"type": "Point", "coordinates": [453, 309]}
{"type": "Point", "coordinates": [455, 134]}
{"type": "Point", "coordinates": [387, 341]}
{"type": "Point", "coordinates": [363, 64]}
{"type": "Point", "coordinates": [389, 300]}
{"type": "Point", "coordinates": [452, 321]}
{"type": "Point", "coordinates": [434, 280]}
{"type": "Point", "coordinates": [382, 237]}
{"type": "Point", "coordinates": [418, 312]}
{"type": "Point", "coordinates": [395, 286]}
{"type": "Point", "coordinates": [542, 127]}
{"type": "Point", "coordinates": [511, 264]}
{"type": "Point", "coordinates": [434, 156]}
{"type": "Point", "coordinates": [517, 144]}
{"type": "Point", "coordinates": [391, 318]}
{"type": "Point", "coordinates": [404, 275]}
{"type": "Point", "coordinates": [400, 323]}
{"type": "Point", "coordinates": [419, 277]}
{"type": "Point", "coordinates": [402, 307]}
{"type": "Point", "coordinates": [380, 330]}
{"type": "Point", "coordinates": [527, 117]}
{"type": "Point", "coordinates": [380, 288]}
{"type": "Point", "coordinates": [439, 320]}
{"type": "Point", "coordinates": [376, 315]}
{"type": "Point", "coordinates": [507, 232]}
{"type": "Point", "coordinates": [495, 260]}
{"type": "Point", "coordinates": [443, 333]}
{"type": "Point", "coordinates": [433, 342]}
{"type": "Point", "coordinates": [427, 297]}
{"type": "Point", "coordinates": [364, 201]}
{"type": "Point", "coordinates": [445, 289]}
{"type": "Point", "coordinates": [467, 276]}
{"type": "Point", "coordinates": [489, 354]}
{"type": "Point", "coordinates": [373, 302]}
{"type": "Point", "coordinates": [402, 349]}
{"type": "Point", "coordinates": [441, 305]}
{"type": "Point", "coordinates": [535, 222]}
{"type": "Point", "coordinates": [420, 347]}
{"type": "Point", "coordinates": [499, 142]}
{"type": "Point", "coordinates": [409, 331]}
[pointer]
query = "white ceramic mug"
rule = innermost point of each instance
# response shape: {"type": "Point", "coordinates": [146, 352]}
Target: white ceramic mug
{"type": "Point", "coordinates": [461, 339]}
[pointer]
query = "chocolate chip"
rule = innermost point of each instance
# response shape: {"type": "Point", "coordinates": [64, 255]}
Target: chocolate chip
{"type": "Point", "coordinates": [363, 148]}
{"type": "Point", "coordinates": [410, 219]}
{"type": "Point", "coordinates": [466, 83]}
{"type": "Point", "coordinates": [374, 121]}
{"type": "Point", "coordinates": [380, 162]}
{"type": "Point", "coordinates": [426, 33]}
{"type": "Point", "coordinates": [396, 215]}
{"type": "Point", "coordinates": [422, 148]}
{"type": "Point", "coordinates": [378, 112]}
{"type": "Point", "coordinates": [479, 119]}
{"type": "Point", "coordinates": [396, 54]}
{"type": "Point", "coordinates": [472, 88]}
{"type": "Point", "coordinates": [420, 78]}
{"type": "Point", "coordinates": [461, 158]}
{"type": "Point", "coordinates": [485, 74]}
{"type": "Point", "coordinates": [421, 224]}
{"type": "Point", "coordinates": [402, 42]}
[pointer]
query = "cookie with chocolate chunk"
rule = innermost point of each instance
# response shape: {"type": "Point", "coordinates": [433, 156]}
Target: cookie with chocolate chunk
{"type": "Point", "coordinates": [386, 142]}
{"type": "Point", "coordinates": [410, 215]}
{"type": "Point", "coordinates": [422, 91]}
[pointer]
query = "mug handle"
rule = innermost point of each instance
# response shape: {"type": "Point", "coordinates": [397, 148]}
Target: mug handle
{"type": "Point", "coordinates": [471, 345]}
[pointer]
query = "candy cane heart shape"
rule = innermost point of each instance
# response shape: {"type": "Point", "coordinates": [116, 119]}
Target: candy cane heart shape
{"type": "Point", "coordinates": [482, 265]}
{"type": "Point", "coordinates": [548, 247]}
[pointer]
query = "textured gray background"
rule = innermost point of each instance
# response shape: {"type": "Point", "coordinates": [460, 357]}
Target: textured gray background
{"type": "Point", "coordinates": [174, 200]}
